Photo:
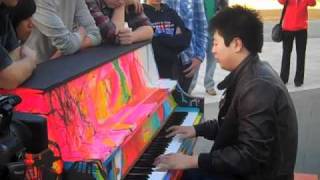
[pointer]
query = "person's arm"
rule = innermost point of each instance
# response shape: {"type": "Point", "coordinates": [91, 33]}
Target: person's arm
{"type": "Point", "coordinates": [180, 41]}
{"type": "Point", "coordinates": [85, 20]}
{"type": "Point", "coordinates": [18, 70]}
{"type": "Point", "coordinates": [200, 26]}
{"type": "Point", "coordinates": [142, 33]}
{"type": "Point", "coordinates": [256, 133]}
{"type": "Point", "coordinates": [312, 2]}
{"type": "Point", "coordinates": [140, 24]}
{"type": "Point", "coordinates": [50, 24]}
{"type": "Point", "coordinates": [118, 17]}
{"type": "Point", "coordinates": [208, 129]}
{"type": "Point", "coordinates": [109, 27]}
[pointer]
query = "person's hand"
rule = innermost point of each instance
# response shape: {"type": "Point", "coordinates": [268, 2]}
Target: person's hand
{"type": "Point", "coordinates": [189, 72]}
{"type": "Point", "coordinates": [126, 36]}
{"type": "Point", "coordinates": [27, 52]}
{"type": "Point", "coordinates": [138, 8]}
{"type": "Point", "coordinates": [83, 33]}
{"type": "Point", "coordinates": [182, 131]}
{"type": "Point", "coordinates": [175, 161]}
{"type": "Point", "coordinates": [30, 54]}
{"type": "Point", "coordinates": [56, 55]}
{"type": "Point", "coordinates": [114, 3]}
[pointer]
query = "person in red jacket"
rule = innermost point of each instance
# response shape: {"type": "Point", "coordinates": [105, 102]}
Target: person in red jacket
{"type": "Point", "coordinates": [295, 27]}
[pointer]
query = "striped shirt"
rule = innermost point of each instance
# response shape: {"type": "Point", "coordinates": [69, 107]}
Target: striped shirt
{"type": "Point", "coordinates": [193, 15]}
{"type": "Point", "coordinates": [102, 15]}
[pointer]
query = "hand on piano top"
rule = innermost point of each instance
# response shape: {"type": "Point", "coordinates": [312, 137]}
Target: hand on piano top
{"type": "Point", "coordinates": [181, 131]}
{"type": "Point", "coordinates": [175, 161]}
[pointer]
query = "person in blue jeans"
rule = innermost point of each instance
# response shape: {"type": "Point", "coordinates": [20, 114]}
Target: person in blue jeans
{"type": "Point", "coordinates": [211, 7]}
{"type": "Point", "coordinates": [210, 69]}
{"type": "Point", "coordinates": [193, 15]}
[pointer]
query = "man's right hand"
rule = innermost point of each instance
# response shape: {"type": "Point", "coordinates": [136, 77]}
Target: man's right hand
{"type": "Point", "coordinates": [182, 131]}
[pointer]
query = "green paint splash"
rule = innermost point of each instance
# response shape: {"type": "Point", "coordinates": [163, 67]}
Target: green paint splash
{"type": "Point", "coordinates": [124, 89]}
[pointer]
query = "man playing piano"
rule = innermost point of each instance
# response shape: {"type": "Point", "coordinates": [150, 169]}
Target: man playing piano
{"type": "Point", "coordinates": [255, 134]}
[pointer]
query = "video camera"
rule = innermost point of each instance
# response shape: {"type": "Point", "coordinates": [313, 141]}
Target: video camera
{"type": "Point", "coordinates": [20, 133]}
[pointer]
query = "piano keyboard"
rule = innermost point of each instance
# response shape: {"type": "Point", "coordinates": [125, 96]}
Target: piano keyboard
{"type": "Point", "coordinates": [144, 168]}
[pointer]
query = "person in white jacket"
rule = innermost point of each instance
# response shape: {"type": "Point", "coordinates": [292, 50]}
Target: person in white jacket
{"type": "Point", "coordinates": [62, 28]}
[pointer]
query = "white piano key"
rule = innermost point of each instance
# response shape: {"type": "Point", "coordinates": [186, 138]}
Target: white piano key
{"type": "Point", "coordinates": [156, 175]}
{"type": "Point", "coordinates": [174, 145]}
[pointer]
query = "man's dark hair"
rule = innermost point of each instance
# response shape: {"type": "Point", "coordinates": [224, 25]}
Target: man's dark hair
{"type": "Point", "coordinates": [241, 22]}
{"type": "Point", "coordinates": [23, 10]}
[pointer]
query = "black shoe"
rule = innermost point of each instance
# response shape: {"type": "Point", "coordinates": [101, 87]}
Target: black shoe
{"type": "Point", "coordinates": [298, 84]}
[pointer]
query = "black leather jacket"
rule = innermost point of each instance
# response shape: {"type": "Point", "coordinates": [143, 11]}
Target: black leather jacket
{"type": "Point", "coordinates": [255, 136]}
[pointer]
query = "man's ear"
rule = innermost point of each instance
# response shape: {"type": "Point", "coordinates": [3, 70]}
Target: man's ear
{"type": "Point", "coordinates": [237, 44]}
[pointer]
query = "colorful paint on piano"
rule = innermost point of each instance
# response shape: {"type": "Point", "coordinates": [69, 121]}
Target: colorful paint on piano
{"type": "Point", "coordinates": [91, 116]}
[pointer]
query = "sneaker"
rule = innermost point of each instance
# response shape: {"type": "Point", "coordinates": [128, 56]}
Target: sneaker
{"type": "Point", "coordinates": [211, 92]}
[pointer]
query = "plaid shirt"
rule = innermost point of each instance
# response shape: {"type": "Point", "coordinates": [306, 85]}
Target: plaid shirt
{"type": "Point", "coordinates": [193, 15]}
{"type": "Point", "coordinates": [102, 15]}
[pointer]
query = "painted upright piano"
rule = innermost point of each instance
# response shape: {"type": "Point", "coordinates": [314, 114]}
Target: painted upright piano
{"type": "Point", "coordinates": [107, 110]}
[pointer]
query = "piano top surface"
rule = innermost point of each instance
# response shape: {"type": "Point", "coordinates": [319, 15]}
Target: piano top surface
{"type": "Point", "coordinates": [53, 73]}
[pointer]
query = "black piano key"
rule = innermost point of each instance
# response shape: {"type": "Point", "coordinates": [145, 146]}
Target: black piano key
{"type": "Point", "coordinates": [137, 176]}
{"type": "Point", "coordinates": [141, 170]}
{"type": "Point", "coordinates": [144, 166]}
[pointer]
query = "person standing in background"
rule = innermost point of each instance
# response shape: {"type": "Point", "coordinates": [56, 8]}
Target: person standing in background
{"type": "Point", "coordinates": [211, 7]}
{"type": "Point", "coordinates": [295, 26]}
{"type": "Point", "coordinates": [170, 38]}
{"type": "Point", "coordinates": [111, 17]}
{"type": "Point", "coordinates": [193, 15]}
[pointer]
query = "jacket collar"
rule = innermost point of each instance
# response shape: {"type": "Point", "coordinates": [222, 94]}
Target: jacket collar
{"type": "Point", "coordinates": [231, 79]}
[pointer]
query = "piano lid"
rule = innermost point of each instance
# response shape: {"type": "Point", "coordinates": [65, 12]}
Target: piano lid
{"type": "Point", "coordinates": [53, 73]}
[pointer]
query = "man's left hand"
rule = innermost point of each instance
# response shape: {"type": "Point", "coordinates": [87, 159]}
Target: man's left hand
{"type": "Point", "coordinates": [195, 65]}
{"type": "Point", "coordinates": [176, 161]}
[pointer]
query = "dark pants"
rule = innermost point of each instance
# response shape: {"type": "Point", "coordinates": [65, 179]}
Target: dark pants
{"type": "Point", "coordinates": [301, 44]}
{"type": "Point", "coordinates": [173, 69]}
{"type": "Point", "coordinates": [179, 75]}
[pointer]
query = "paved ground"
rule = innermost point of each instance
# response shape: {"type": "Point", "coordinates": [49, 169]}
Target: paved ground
{"type": "Point", "coordinates": [272, 53]}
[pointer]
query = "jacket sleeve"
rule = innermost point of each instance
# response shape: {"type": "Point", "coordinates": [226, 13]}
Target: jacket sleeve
{"type": "Point", "coordinates": [52, 26]}
{"type": "Point", "coordinates": [179, 42]}
{"type": "Point", "coordinates": [84, 18]}
{"type": "Point", "coordinates": [208, 129]}
{"type": "Point", "coordinates": [106, 26]}
{"type": "Point", "coordinates": [256, 116]}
